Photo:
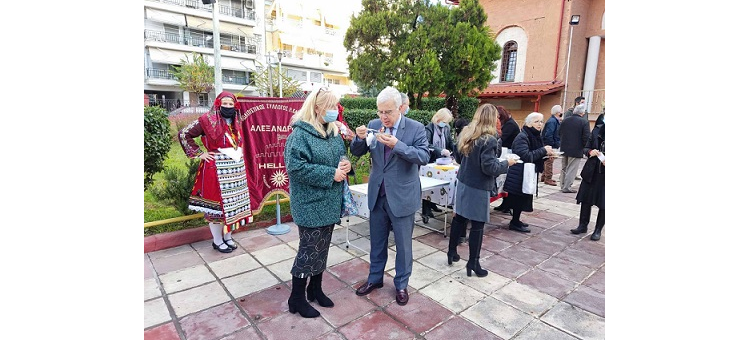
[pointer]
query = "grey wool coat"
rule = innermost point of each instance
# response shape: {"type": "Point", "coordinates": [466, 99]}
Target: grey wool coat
{"type": "Point", "coordinates": [311, 162]}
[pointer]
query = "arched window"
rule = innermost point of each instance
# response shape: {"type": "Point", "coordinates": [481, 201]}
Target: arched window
{"type": "Point", "coordinates": [508, 67]}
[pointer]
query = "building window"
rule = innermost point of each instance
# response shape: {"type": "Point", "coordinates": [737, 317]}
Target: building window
{"type": "Point", "coordinates": [508, 68]}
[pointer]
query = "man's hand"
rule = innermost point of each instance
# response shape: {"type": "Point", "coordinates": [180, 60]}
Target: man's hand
{"type": "Point", "coordinates": [387, 139]}
{"type": "Point", "coordinates": [361, 132]}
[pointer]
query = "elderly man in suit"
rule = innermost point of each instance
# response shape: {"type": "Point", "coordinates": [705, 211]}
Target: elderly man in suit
{"type": "Point", "coordinates": [574, 132]}
{"type": "Point", "coordinates": [394, 192]}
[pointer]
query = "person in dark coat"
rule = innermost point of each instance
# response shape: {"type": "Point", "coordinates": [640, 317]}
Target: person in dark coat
{"type": "Point", "coordinates": [507, 133]}
{"type": "Point", "coordinates": [592, 183]}
{"type": "Point", "coordinates": [574, 132]}
{"type": "Point", "coordinates": [477, 151]}
{"type": "Point", "coordinates": [529, 147]}
{"type": "Point", "coordinates": [551, 137]}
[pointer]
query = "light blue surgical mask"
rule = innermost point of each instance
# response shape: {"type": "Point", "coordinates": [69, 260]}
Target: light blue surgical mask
{"type": "Point", "coordinates": [331, 116]}
{"type": "Point", "coordinates": [441, 124]}
{"type": "Point", "coordinates": [407, 111]}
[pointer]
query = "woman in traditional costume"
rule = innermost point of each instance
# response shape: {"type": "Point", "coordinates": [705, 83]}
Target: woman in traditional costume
{"type": "Point", "coordinates": [220, 189]}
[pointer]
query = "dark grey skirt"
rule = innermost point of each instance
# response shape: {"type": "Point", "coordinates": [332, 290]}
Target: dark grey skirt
{"type": "Point", "coordinates": [313, 251]}
{"type": "Point", "coordinates": [472, 203]}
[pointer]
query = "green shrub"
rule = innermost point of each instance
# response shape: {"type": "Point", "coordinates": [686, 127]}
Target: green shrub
{"type": "Point", "coordinates": [156, 142]}
{"type": "Point", "coordinates": [359, 103]}
{"type": "Point", "coordinates": [467, 106]}
{"type": "Point", "coordinates": [177, 185]}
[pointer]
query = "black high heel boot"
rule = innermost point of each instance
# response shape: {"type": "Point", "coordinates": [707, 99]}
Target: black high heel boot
{"type": "Point", "coordinates": [297, 302]}
{"type": "Point", "coordinates": [315, 291]}
{"type": "Point", "coordinates": [599, 226]}
{"type": "Point", "coordinates": [457, 226]}
{"type": "Point", "coordinates": [475, 246]}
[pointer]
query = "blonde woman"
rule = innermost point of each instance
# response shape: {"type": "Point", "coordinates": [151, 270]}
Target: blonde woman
{"type": "Point", "coordinates": [440, 144]}
{"type": "Point", "coordinates": [477, 149]}
{"type": "Point", "coordinates": [316, 175]}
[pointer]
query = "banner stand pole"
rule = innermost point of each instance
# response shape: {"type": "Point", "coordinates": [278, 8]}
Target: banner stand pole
{"type": "Point", "coordinates": [279, 228]}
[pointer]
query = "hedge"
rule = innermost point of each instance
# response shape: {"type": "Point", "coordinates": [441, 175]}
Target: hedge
{"type": "Point", "coordinates": [362, 110]}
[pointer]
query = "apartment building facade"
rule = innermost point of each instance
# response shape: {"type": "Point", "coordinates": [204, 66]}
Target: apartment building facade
{"type": "Point", "coordinates": [252, 32]}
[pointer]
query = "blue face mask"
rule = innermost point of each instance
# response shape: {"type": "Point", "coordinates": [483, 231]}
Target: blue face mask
{"type": "Point", "coordinates": [441, 124]}
{"type": "Point", "coordinates": [407, 111]}
{"type": "Point", "coordinates": [331, 116]}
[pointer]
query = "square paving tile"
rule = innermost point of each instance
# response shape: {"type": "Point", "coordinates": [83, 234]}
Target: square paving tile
{"type": "Point", "coordinates": [331, 283]}
{"type": "Point", "coordinates": [292, 326]}
{"type": "Point", "coordinates": [351, 271]}
{"type": "Point", "coordinates": [148, 269]}
{"type": "Point", "coordinates": [258, 242]}
{"type": "Point", "coordinates": [163, 332]}
{"type": "Point", "coordinates": [581, 257]}
{"type": "Point", "coordinates": [339, 236]}
{"type": "Point", "coordinates": [497, 317]}
{"type": "Point", "coordinates": [206, 250]}
{"type": "Point", "coordinates": [267, 303]}
{"type": "Point", "coordinates": [547, 283]}
{"type": "Point", "coordinates": [435, 240]}
{"type": "Point", "coordinates": [452, 294]}
{"type": "Point", "coordinates": [575, 321]}
{"type": "Point", "coordinates": [234, 265]}
{"type": "Point", "coordinates": [331, 336]}
{"type": "Point", "coordinates": [596, 281]}
{"type": "Point", "coordinates": [540, 330]}
{"type": "Point", "coordinates": [249, 282]}
{"type": "Point", "coordinates": [543, 246]}
{"type": "Point", "coordinates": [150, 289]}
{"type": "Point", "coordinates": [348, 306]}
{"type": "Point", "coordinates": [247, 333]}
{"type": "Point", "coordinates": [566, 269]}
{"type": "Point", "coordinates": [171, 251]}
{"type": "Point", "coordinates": [177, 261]}
{"type": "Point", "coordinates": [198, 298]}
{"type": "Point", "coordinates": [362, 229]}
{"type": "Point", "coordinates": [494, 245]}
{"type": "Point", "coordinates": [274, 254]}
{"type": "Point", "coordinates": [459, 328]}
{"type": "Point", "coordinates": [486, 285]}
{"type": "Point", "coordinates": [419, 249]}
{"type": "Point", "coordinates": [439, 261]}
{"type": "Point", "coordinates": [419, 230]}
{"type": "Point", "coordinates": [587, 299]}
{"type": "Point", "coordinates": [502, 233]}
{"type": "Point", "coordinates": [376, 326]}
{"type": "Point", "coordinates": [283, 269]}
{"type": "Point", "coordinates": [420, 314]}
{"type": "Point", "coordinates": [525, 298]}
{"type": "Point", "coordinates": [155, 312]}
{"type": "Point", "coordinates": [390, 263]}
{"type": "Point", "coordinates": [292, 235]}
{"type": "Point", "coordinates": [185, 278]}
{"type": "Point", "coordinates": [337, 255]}
{"type": "Point", "coordinates": [214, 322]}
{"type": "Point", "coordinates": [524, 255]}
{"type": "Point", "coordinates": [362, 243]}
{"type": "Point", "coordinates": [505, 266]}
{"type": "Point", "coordinates": [589, 246]}
{"type": "Point", "coordinates": [421, 275]}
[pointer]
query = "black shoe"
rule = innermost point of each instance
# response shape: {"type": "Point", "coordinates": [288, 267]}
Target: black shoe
{"type": "Point", "coordinates": [597, 233]}
{"type": "Point", "coordinates": [367, 288]}
{"type": "Point", "coordinates": [518, 227]}
{"type": "Point", "coordinates": [315, 291]}
{"type": "Point", "coordinates": [229, 245]}
{"type": "Point", "coordinates": [474, 266]}
{"type": "Point", "coordinates": [228, 250]}
{"type": "Point", "coordinates": [435, 208]}
{"type": "Point", "coordinates": [582, 229]}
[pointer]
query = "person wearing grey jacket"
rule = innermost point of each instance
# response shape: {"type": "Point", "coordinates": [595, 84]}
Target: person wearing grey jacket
{"type": "Point", "coordinates": [316, 182]}
{"type": "Point", "coordinates": [477, 152]}
{"type": "Point", "coordinates": [574, 132]}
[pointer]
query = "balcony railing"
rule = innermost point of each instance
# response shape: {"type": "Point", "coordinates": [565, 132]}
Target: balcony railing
{"type": "Point", "coordinates": [238, 12]}
{"type": "Point", "coordinates": [235, 80]}
{"type": "Point", "coordinates": [199, 41]}
{"type": "Point", "coordinates": [159, 74]}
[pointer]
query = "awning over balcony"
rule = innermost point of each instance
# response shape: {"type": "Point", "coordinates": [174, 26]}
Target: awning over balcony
{"type": "Point", "coordinates": [165, 17]}
{"type": "Point", "coordinates": [230, 63]}
{"type": "Point", "coordinates": [206, 24]}
{"type": "Point", "coordinates": [160, 55]}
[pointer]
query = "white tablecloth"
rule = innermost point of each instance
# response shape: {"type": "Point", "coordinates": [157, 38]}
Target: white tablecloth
{"type": "Point", "coordinates": [429, 186]}
{"type": "Point", "coordinates": [446, 193]}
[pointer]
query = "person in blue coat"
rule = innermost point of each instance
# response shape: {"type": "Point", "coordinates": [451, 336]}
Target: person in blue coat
{"type": "Point", "coordinates": [551, 137]}
{"type": "Point", "coordinates": [316, 182]}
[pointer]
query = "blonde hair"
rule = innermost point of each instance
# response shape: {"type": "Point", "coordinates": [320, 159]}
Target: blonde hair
{"type": "Point", "coordinates": [481, 126]}
{"type": "Point", "coordinates": [323, 98]}
{"type": "Point", "coordinates": [443, 114]}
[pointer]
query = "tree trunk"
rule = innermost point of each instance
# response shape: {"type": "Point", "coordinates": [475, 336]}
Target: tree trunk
{"type": "Point", "coordinates": [451, 102]}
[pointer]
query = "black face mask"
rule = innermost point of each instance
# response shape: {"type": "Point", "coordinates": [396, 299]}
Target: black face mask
{"type": "Point", "coordinates": [227, 112]}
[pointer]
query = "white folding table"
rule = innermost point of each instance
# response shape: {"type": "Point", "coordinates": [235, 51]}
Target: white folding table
{"type": "Point", "coordinates": [359, 193]}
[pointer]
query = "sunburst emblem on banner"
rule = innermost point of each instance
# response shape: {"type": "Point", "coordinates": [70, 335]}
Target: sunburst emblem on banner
{"type": "Point", "coordinates": [279, 178]}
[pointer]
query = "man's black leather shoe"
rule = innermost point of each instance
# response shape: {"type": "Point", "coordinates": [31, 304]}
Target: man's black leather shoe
{"type": "Point", "coordinates": [402, 297]}
{"type": "Point", "coordinates": [367, 288]}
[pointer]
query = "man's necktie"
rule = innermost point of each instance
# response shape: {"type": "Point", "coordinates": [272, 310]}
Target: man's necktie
{"type": "Point", "coordinates": [387, 153]}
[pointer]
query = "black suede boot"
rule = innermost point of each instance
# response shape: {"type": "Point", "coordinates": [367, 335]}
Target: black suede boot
{"type": "Point", "coordinates": [599, 226]}
{"type": "Point", "coordinates": [457, 225]}
{"type": "Point", "coordinates": [315, 291]}
{"type": "Point", "coordinates": [297, 302]}
{"type": "Point", "coordinates": [475, 246]}
{"type": "Point", "coordinates": [583, 219]}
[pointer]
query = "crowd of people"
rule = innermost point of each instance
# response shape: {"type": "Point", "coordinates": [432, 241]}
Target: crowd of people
{"type": "Point", "coordinates": [318, 169]}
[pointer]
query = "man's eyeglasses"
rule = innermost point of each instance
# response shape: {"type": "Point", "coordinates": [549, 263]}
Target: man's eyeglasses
{"type": "Point", "coordinates": [383, 113]}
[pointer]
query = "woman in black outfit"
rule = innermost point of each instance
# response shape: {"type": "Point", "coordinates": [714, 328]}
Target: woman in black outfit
{"type": "Point", "coordinates": [508, 131]}
{"type": "Point", "coordinates": [591, 191]}
{"type": "Point", "coordinates": [529, 147]}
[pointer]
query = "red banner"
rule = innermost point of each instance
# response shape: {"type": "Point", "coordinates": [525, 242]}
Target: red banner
{"type": "Point", "coordinates": [265, 128]}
